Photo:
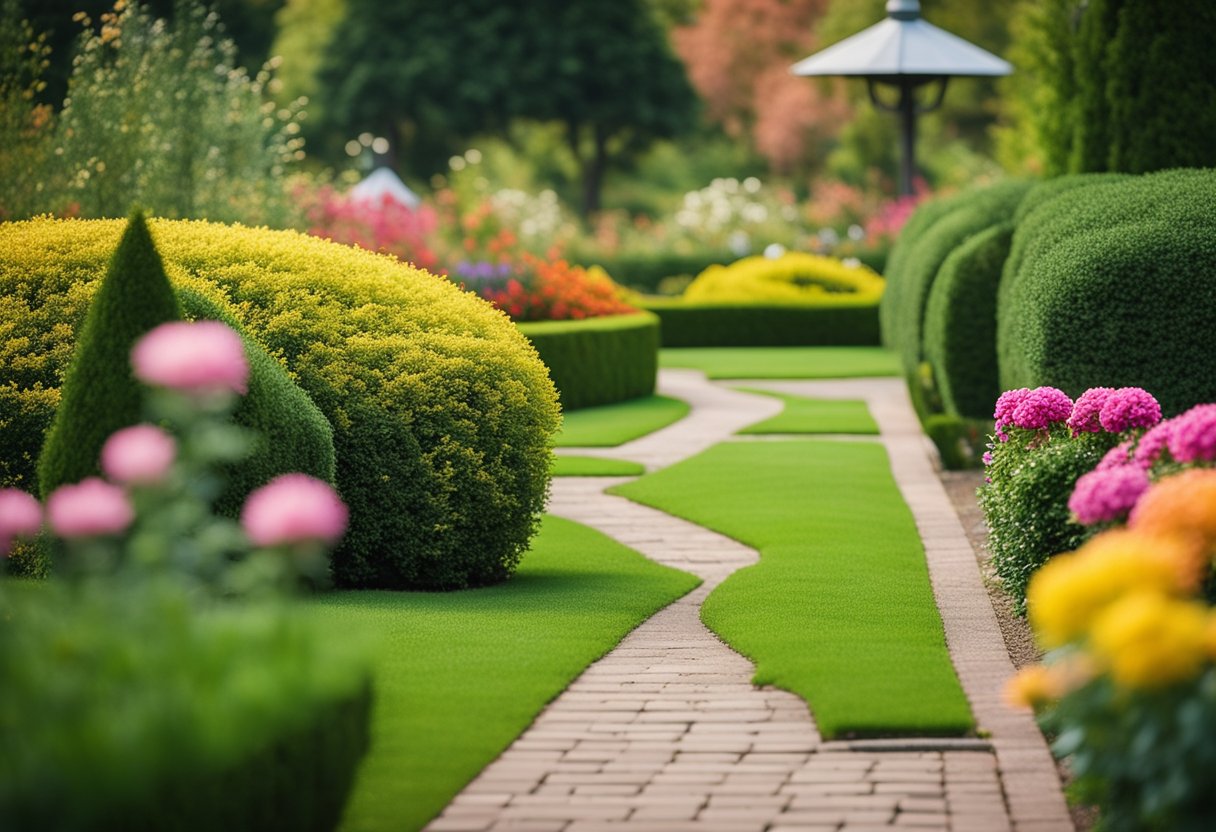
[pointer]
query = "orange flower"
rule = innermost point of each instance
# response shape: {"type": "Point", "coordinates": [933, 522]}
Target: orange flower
{"type": "Point", "coordinates": [1182, 506]}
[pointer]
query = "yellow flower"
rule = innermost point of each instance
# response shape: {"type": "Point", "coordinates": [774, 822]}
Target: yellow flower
{"type": "Point", "coordinates": [1069, 591]}
{"type": "Point", "coordinates": [1041, 684]}
{"type": "Point", "coordinates": [1148, 640]}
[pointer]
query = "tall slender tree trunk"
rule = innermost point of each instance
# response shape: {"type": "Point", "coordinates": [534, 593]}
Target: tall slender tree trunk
{"type": "Point", "coordinates": [594, 167]}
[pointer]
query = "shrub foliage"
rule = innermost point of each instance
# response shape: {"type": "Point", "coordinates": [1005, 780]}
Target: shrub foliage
{"type": "Point", "coordinates": [840, 322]}
{"type": "Point", "coordinates": [793, 277]}
{"type": "Point", "coordinates": [1113, 285]}
{"type": "Point", "coordinates": [442, 414]}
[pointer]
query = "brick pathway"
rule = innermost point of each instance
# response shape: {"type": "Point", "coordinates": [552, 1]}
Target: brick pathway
{"type": "Point", "coordinates": [667, 732]}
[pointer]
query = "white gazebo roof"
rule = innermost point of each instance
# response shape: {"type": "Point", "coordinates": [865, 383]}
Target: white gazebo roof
{"type": "Point", "coordinates": [380, 183]}
{"type": "Point", "coordinates": [902, 44]}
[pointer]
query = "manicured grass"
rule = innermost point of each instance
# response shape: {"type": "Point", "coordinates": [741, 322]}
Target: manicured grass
{"type": "Point", "coordinates": [459, 675]}
{"type": "Point", "coordinates": [839, 610]}
{"type": "Point", "coordinates": [616, 424]}
{"type": "Point", "coordinates": [783, 362]}
{"type": "Point", "coordinates": [803, 415]}
{"type": "Point", "coordinates": [594, 466]}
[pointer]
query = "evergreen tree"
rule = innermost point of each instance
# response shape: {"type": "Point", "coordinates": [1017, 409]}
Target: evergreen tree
{"type": "Point", "coordinates": [100, 394]}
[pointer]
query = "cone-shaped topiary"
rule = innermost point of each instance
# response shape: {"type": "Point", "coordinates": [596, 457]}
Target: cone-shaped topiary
{"type": "Point", "coordinates": [99, 393]}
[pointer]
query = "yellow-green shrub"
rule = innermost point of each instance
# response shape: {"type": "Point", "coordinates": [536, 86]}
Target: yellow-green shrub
{"type": "Point", "coordinates": [795, 276]}
{"type": "Point", "coordinates": [442, 413]}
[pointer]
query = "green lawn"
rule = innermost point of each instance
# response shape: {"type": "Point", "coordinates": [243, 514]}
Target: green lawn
{"type": "Point", "coordinates": [783, 362]}
{"type": "Point", "coordinates": [839, 610]}
{"type": "Point", "coordinates": [459, 675]}
{"type": "Point", "coordinates": [616, 424]}
{"type": "Point", "coordinates": [593, 466]}
{"type": "Point", "coordinates": [803, 415]}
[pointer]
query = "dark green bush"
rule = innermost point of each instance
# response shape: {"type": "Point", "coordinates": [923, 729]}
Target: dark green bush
{"type": "Point", "coordinates": [927, 248]}
{"type": "Point", "coordinates": [441, 412]}
{"type": "Point", "coordinates": [135, 710]}
{"type": "Point", "coordinates": [644, 272]}
{"type": "Point", "coordinates": [291, 432]}
{"type": "Point", "coordinates": [100, 394]}
{"type": "Point", "coordinates": [960, 442]}
{"type": "Point", "coordinates": [598, 360]}
{"type": "Point", "coordinates": [844, 323]}
{"type": "Point", "coordinates": [960, 323]}
{"type": "Point", "coordinates": [1115, 287]}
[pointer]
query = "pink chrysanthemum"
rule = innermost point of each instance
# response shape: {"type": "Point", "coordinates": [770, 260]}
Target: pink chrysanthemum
{"type": "Point", "coordinates": [294, 508]}
{"type": "Point", "coordinates": [1153, 442]}
{"type": "Point", "coordinates": [1084, 417]}
{"type": "Point", "coordinates": [1008, 402]}
{"type": "Point", "coordinates": [1128, 408]}
{"type": "Point", "coordinates": [197, 357]}
{"type": "Point", "coordinates": [1116, 457]}
{"type": "Point", "coordinates": [138, 455]}
{"type": "Point", "coordinates": [1105, 495]}
{"type": "Point", "coordinates": [1193, 437]}
{"type": "Point", "coordinates": [89, 508]}
{"type": "Point", "coordinates": [20, 516]}
{"type": "Point", "coordinates": [1041, 408]}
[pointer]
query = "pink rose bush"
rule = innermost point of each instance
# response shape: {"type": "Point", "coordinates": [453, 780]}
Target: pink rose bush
{"type": "Point", "coordinates": [149, 495]}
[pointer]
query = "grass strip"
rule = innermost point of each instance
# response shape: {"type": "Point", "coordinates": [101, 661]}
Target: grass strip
{"type": "Point", "coordinates": [594, 466]}
{"type": "Point", "coordinates": [839, 609]}
{"type": "Point", "coordinates": [459, 675]}
{"type": "Point", "coordinates": [783, 362]}
{"type": "Point", "coordinates": [804, 415]}
{"type": "Point", "coordinates": [615, 424]}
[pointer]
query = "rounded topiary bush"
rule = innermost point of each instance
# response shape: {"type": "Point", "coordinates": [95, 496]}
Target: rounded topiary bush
{"type": "Point", "coordinates": [795, 276]}
{"type": "Point", "coordinates": [1117, 287]}
{"type": "Point", "coordinates": [928, 245]}
{"type": "Point", "coordinates": [960, 323]}
{"type": "Point", "coordinates": [441, 412]}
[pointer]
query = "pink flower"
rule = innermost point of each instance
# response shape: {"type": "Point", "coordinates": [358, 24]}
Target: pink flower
{"type": "Point", "coordinates": [198, 357]}
{"type": "Point", "coordinates": [1085, 410]}
{"type": "Point", "coordinates": [1128, 408]}
{"type": "Point", "coordinates": [1005, 406]}
{"type": "Point", "coordinates": [89, 508]}
{"type": "Point", "coordinates": [1042, 407]}
{"type": "Point", "coordinates": [294, 508]}
{"type": "Point", "coordinates": [1193, 437]}
{"type": "Point", "coordinates": [1153, 442]}
{"type": "Point", "coordinates": [1116, 457]}
{"type": "Point", "coordinates": [138, 455]}
{"type": "Point", "coordinates": [1105, 495]}
{"type": "Point", "coordinates": [20, 516]}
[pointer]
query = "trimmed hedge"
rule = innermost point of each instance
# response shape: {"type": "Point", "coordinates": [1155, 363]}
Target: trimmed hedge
{"type": "Point", "coordinates": [442, 415]}
{"type": "Point", "coordinates": [960, 323]}
{"type": "Point", "coordinates": [843, 322]}
{"type": "Point", "coordinates": [290, 432]}
{"type": "Point", "coordinates": [1116, 287]}
{"type": "Point", "coordinates": [100, 393]}
{"type": "Point", "coordinates": [644, 272]}
{"type": "Point", "coordinates": [793, 277]}
{"type": "Point", "coordinates": [929, 243]}
{"type": "Point", "coordinates": [134, 709]}
{"type": "Point", "coordinates": [598, 361]}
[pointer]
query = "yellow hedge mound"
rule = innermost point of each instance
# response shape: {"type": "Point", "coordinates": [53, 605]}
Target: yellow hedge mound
{"type": "Point", "coordinates": [794, 276]}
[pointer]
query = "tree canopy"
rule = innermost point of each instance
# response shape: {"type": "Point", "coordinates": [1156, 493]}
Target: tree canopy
{"type": "Point", "coordinates": [408, 71]}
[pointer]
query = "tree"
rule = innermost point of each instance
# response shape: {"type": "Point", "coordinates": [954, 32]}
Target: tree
{"type": "Point", "coordinates": [409, 71]}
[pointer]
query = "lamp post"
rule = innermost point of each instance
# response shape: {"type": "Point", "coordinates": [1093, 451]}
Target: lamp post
{"type": "Point", "coordinates": [905, 52]}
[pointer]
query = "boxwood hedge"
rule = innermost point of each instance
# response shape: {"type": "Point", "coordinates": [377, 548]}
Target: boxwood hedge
{"type": "Point", "coordinates": [837, 321]}
{"type": "Point", "coordinates": [793, 277]}
{"type": "Point", "coordinates": [925, 243]}
{"type": "Point", "coordinates": [960, 323]}
{"type": "Point", "coordinates": [598, 361]}
{"type": "Point", "coordinates": [1115, 287]}
{"type": "Point", "coordinates": [441, 412]}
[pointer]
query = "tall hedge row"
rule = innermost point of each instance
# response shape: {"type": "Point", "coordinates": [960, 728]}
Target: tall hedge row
{"type": "Point", "coordinates": [441, 412]}
{"type": "Point", "coordinates": [1116, 285]}
{"type": "Point", "coordinates": [932, 233]}
{"type": "Point", "coordinates": [960, 323]}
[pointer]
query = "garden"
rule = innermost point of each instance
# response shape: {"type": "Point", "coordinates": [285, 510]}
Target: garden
{"type": "Point", "coordinates": [563, 421]}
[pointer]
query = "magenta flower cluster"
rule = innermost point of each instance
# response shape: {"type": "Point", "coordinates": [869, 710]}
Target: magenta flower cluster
{"type": "Point", "coordinates": [1107, 494]}
{"type": "Point", "coordinates": [1027, 409]}
{"type": "Point", "coordinates": [1129, 408]}
{"type": "Point", "coordinates": [1087, 411]}
{"type": "Point", "coordinates": [1192, 437]}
